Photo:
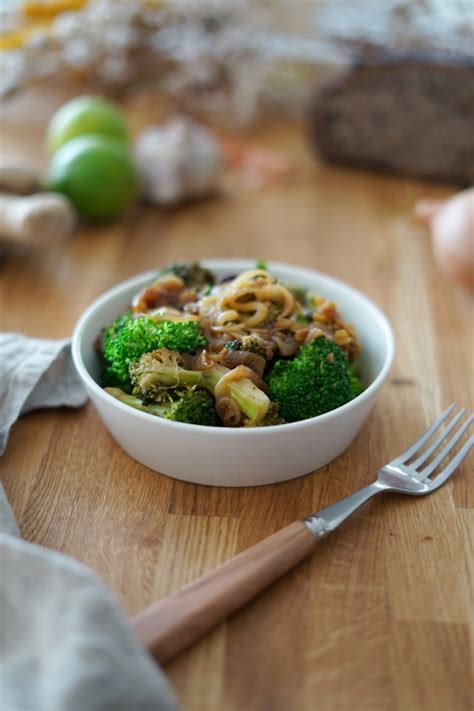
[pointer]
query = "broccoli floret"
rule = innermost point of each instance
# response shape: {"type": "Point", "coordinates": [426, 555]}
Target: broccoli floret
{"type": "Point", "coordinates": [273, 416]}
{"type": "Point", "coordinates": [128, 338]}
{"type": "Point", "coordinates": [261, 264]}
{"type": "Point", "coordinates": [300, 294]}
{"type": "Point", "coordinates": [315, 381]}
{"type": "Point", "coordinates": [193, 275]}
{"type": "Point", "coordinates": [192, 405]}
{"type": "Point", "coordinates": [252, 344]}
{"type": "Point", "coordinates": [357, 386]}
{"type": "Point", "coordinates": [156, 372]}
{"type": "Point", "coordinates": [302, 319]}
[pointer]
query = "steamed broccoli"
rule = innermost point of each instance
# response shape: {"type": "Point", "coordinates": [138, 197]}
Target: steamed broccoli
{"type": "Point", "coordinates": [273, 416]}
{"type": "Point", "coordinates": [300, 294]}
{"type": "Point", "coordinates": [127, 338]}
{"type": "Point", "coordinates": [315, 381]}
{"type": "Point", "coordinates": [253, 344]}
{"type": "Point", "coordinates": [192, 405]}
{"type": "Point", "coordinates": [156, 372]}
{"type": "Point", "coordinates": [357, 386]}
{"type": "Point", "coordinates": [193, 275]}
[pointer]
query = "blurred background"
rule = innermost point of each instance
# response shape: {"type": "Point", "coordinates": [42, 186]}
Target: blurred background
{"type": "Point", "coordinates": [238, 104]}
{"type": "Point", "coordinates": [232, 57]}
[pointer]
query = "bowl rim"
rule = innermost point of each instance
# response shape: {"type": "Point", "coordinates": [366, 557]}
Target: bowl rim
{"type": "Point", "coordinates": [224, 263]}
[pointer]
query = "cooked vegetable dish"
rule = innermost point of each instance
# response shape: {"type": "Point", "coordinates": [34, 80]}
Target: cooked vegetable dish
{"type": "Point", "coordinates": [243, 351]}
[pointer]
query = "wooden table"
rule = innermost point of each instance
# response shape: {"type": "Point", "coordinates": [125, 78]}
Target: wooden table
{"type": "Point", "coordinates": [377, 618]}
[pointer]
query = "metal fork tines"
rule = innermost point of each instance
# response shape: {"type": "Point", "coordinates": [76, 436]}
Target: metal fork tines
{"type": "Point", "coordinates": [409, 472]}
{"type": "Point", "coordinates": [403, 463]}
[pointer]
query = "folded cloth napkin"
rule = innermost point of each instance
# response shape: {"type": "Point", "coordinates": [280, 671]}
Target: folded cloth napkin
{"type": "Point", "coordinates": [35, 373]}
{"type": "Point", "coordinates": [64, 643]}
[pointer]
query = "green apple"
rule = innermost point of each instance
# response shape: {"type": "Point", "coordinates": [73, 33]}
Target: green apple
{"type": "Point", "coordinates": [84, 115]}
{"type": "Point", "coordinates": [96, 173]}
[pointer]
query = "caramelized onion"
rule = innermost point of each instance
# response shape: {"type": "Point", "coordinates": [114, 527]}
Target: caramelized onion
{"type": "Point", "coordinates": [232, 359]}
{"type": "Point", "coordinates": [287, 344]}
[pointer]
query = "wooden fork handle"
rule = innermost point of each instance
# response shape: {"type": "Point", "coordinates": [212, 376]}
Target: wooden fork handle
{"type": "Point", "coordinates": [174, 623]}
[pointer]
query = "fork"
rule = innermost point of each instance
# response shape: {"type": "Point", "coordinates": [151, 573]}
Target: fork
{"type": "Point", "coordinates": [174, 623]}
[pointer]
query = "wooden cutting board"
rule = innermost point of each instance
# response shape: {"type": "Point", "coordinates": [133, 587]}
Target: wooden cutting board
{"type": "Point", "coordinates": [378, 617]}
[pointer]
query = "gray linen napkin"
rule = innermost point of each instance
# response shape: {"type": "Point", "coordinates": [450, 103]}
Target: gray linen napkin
{"type": "Point", "coordinates": [35, 373]}
{"type": "Point", "coordinates": [64, 643]}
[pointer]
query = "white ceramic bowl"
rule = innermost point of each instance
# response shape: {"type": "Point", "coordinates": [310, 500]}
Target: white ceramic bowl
{"type": "Point", "coordinates": [238, 457]}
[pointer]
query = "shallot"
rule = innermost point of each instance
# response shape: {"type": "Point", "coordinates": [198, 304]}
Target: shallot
{"type": "Point", "coordinates": [451, 223]}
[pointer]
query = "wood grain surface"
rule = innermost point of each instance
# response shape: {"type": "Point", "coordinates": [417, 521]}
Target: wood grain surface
{"type": "Point", "coordinates": [378, 616]}
{"type": "Point", "coordinates": [177, 621]}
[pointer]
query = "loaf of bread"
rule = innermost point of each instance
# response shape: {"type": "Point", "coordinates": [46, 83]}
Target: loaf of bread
{"type": "Point", "coordinates": [412, 115]}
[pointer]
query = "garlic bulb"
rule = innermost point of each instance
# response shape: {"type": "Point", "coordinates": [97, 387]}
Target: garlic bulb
{"type": "Point", "coordinates": [177, 161]}
{"type": "Point", "coordinates": [452, 234]}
